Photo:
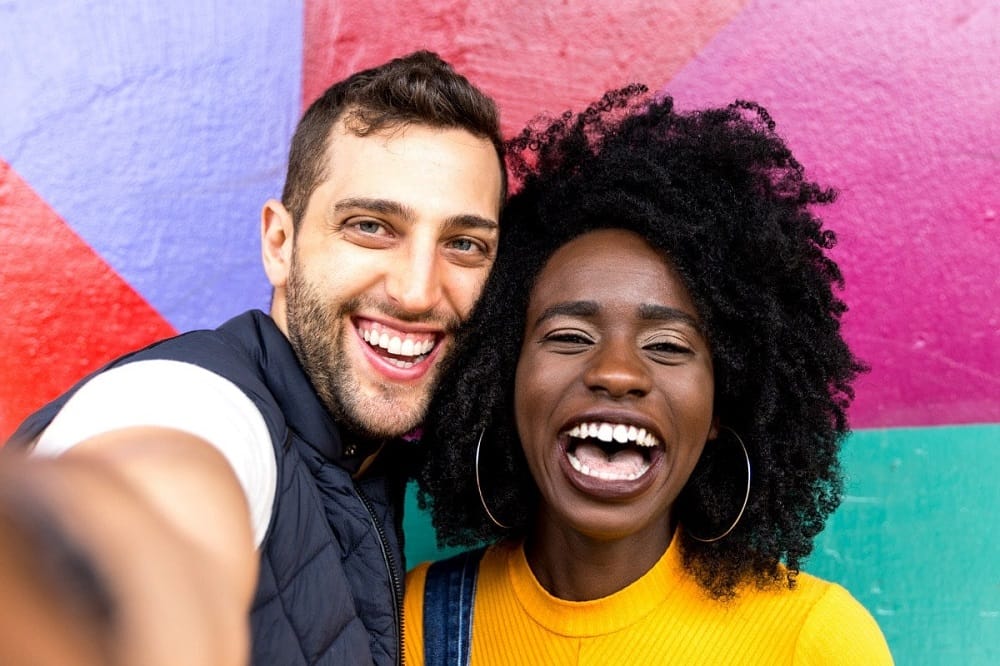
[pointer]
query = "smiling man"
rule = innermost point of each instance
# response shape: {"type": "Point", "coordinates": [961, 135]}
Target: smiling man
{"type": "Point", "coordinates": [250, 471]}
{"type": "Point", "coordinates": [384, 263]}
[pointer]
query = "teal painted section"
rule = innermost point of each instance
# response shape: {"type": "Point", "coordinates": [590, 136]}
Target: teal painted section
{"type": "Point", "coordinates": [916, 540]}
{"type": "Point", "coordinates": [421, 545]}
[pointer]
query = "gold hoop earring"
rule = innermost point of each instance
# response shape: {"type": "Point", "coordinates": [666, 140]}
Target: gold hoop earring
{"type": "Point", "coordinates": [746, 497]}
{"type": "Point", "coordinates": [479, 487]}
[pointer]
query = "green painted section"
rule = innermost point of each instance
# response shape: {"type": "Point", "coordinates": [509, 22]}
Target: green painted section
{"type": "Point", "coordinates": [917, 540]}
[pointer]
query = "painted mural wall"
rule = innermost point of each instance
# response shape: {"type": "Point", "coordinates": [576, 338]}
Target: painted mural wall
{"type": "Point", "coordinates": [138, 140]}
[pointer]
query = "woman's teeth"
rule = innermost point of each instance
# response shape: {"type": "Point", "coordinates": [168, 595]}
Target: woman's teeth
{"type": "Point", "coordinates": [614, 432]}
{"type": "Point", "coordinates": [608, 475]}
{"type": "Point", "coordinates": [625, 463]}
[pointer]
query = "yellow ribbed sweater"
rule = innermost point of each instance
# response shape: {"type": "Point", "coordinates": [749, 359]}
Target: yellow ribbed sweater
{"type": "Point", "coordinates": [662, 618]}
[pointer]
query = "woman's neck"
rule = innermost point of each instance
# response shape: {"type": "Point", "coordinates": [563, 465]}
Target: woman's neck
{"type": "Point", "coordinates": [576, 567]}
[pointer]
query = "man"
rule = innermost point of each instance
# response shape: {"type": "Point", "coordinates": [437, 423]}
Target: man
{"type": "Point", "coordinates": [251, 467]}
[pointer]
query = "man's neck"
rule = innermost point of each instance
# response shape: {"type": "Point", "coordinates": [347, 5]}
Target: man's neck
{"type": "Point", "coordinates": [367, 463]}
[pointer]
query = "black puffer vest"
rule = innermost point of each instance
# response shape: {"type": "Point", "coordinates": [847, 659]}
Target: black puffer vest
{"type": "Point", "coordinates": [330, 586]}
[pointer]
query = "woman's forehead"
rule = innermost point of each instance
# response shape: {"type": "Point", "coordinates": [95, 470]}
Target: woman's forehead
{"type": "Point", "coordinates": [609, 266]}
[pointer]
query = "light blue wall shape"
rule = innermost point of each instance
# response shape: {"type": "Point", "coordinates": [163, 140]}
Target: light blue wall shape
{"type": "Point", "coordinates": [157, 130]}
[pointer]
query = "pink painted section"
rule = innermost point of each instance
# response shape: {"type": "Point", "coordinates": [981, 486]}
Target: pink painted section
{"type": "Point", "coordinates": [531, 56]}
{"type": "Point", "coordinates": [893, 103]}
{"type": "Point", "coordinates": [897, 105]}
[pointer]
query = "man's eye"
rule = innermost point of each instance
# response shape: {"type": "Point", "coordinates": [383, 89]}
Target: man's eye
{"type": "Point", "coordinates": [368, 226]}
{"type": "Point", "coordinates": [465, 245]}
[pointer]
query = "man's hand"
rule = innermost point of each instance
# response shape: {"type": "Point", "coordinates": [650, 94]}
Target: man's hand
{"type": "Point", "coordinates": [157, 523]}
{"type": "Point", "coordinates": [56, 610]}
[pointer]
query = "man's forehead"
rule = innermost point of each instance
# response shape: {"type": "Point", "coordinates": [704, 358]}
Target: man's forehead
{"type": "Point", "coordinates": [411, 173]}
{"type": "Point", "coordinates": [346, 131]}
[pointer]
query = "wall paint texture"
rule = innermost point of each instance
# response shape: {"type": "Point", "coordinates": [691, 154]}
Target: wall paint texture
{"type": "Point", "coordinates": [139, 139]}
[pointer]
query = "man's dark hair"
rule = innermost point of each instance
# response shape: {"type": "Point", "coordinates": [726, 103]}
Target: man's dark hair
{"type": "Point", "coordinates": [721, 196]}
{"type": "Point", "coordinates": [419, 88]}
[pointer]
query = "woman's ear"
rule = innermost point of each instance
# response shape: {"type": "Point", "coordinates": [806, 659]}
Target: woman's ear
{"type": "Point", "coordinates": [713, 431]}
{"type": "Point", "coordinates": [277, 237]}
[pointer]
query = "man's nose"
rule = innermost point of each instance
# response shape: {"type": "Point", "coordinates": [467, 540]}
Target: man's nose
{"type": "Point", "coordinates": [413, 281]}
{"type": "Point", "coordinates": [618, 369]}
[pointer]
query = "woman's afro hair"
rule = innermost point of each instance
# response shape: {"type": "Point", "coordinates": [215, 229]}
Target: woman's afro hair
{"type": "Point", "coordinates": [724, 200]}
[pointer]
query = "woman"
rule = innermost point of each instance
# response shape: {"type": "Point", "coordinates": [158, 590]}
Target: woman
{"type": "Point", "coordinates": [646, 408]}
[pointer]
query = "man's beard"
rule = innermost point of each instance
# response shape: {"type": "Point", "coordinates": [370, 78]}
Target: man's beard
{"type": "Point", "coordinates": [317, 333]}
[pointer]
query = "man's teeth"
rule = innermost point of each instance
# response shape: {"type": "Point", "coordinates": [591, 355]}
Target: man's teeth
{"type": "Point", "coordinates": [614, 432]}
{"type": "Point", "coordinates": [398, 346]}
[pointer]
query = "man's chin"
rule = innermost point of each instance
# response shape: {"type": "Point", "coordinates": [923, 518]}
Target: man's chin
{"type": "Point", "coordinates": [382, 423]}
{"type": "Point", "coordinates": [376, 409]}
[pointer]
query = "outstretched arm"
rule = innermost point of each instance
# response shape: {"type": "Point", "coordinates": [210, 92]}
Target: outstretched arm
{"type": "Point", "coordinates": [135, 544]}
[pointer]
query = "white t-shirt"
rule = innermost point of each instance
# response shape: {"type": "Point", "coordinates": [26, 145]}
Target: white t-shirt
{"type": "Point", "coordinates": [182, 396]}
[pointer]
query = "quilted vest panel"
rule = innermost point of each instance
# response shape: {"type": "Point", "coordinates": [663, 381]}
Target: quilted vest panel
{"type": "Point", "coordinates": [329, 589]}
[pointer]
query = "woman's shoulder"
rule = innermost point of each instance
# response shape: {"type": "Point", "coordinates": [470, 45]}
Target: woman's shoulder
{"type": "Point", "coordinates": [834, 627]}
{"type": "Point", "coordinates": [858, 640]}
{"type": "Point", "coordinates": [416, 578]}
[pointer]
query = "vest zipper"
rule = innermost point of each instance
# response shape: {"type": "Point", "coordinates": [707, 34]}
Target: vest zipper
{"type": "Point", "coordinates": [390, 565]}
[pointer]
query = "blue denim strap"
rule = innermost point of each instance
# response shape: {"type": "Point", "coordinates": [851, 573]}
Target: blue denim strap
{"type": "Point", "coordinates": [449, 594]}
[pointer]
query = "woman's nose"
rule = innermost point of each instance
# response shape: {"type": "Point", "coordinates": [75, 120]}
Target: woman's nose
{"type": "Point", "coordinates": [618, 369]}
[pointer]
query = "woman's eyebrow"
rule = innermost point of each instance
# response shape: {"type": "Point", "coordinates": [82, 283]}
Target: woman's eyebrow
{"type": "Point", "coordinates": [667, 313]}
{"type": "Point", "coordinates": [568, 308]}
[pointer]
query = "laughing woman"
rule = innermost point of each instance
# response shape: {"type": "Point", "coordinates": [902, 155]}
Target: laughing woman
{"type": "Point", "coordinates": [645, 413]}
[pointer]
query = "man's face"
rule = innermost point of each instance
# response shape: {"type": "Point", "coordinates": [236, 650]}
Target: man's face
{"type": "Point", "coordinates": [391, 254]}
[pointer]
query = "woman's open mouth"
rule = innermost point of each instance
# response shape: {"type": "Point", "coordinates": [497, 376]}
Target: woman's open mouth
{"type": "Point", "coordinates": [610, 457]}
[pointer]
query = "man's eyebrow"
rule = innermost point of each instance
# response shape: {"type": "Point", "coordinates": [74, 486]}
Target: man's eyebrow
{"type": "Point", "coordinates": [392, 208]}
{"type": "Point", "coordinates": [667, 313]}
{"type": "Point", "coordinates": [469, 221]}
{"type": "Point", "coordinates": [382, 206]}
{"type": "Point", "coordinates": [570, 309]}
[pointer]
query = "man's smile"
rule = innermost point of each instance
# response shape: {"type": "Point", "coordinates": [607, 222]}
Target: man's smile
{"type": "Point", "coordinates": [404, 349]}
{"type": "Point", "coordinates": [399, 353]}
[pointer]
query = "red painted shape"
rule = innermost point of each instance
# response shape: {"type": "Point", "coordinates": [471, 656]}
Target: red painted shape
{"type": "Point", "coordinates": [530, 56]}
{"type": "Point", "coordinates": [65, 311]}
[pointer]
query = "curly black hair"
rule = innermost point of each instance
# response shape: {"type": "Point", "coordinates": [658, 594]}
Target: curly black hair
{"type": "Point", "coordinates": [719, 193]}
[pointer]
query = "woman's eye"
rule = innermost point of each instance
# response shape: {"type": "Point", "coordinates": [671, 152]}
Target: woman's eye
{"type": "Point", "coordinates": [666, 347]}
{"type": "Point", "coordinates": [568, 338]}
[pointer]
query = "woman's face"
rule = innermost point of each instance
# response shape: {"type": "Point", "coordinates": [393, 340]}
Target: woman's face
{"type": "Point", "coordinates": [614, 387]}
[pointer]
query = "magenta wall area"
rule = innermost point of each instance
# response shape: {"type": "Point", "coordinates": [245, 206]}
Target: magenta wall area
{"type": "Point", "coordinates": [894, 103]}
{"type": "Point", "coordinates": [897, 105]}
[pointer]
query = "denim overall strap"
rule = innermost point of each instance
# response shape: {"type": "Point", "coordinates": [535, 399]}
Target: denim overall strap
{"type": "Point", "coordinates": [449, 594]}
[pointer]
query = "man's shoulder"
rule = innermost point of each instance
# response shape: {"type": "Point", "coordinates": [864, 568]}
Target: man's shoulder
{"type": "Point", "coordinates": [238, 350]}
{"type": "Point", "coordinates": [239, 335]}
